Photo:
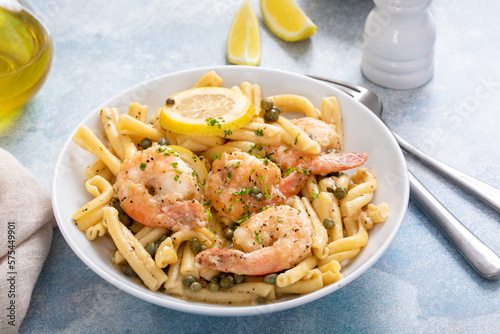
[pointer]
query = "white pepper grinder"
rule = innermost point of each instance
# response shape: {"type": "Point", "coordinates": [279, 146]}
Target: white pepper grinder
{"type": "Point", "coordinates": [398, 48]}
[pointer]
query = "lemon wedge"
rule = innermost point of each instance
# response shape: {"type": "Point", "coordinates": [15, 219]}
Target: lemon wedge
{"type": "Point", "coordinates": [243, 40]}
{"type": "Point", "coordinates": [287, 20]}
{"type": "Point", "coordinates": [207, 111]}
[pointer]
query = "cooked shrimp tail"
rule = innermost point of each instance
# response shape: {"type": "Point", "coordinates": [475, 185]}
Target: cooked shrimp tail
{"type": "Point", "coordinates": [293, 183]}
{"type": "Point", "coordinates": [328, 161]}
{"type": "Point", "coordinates": [335, 162]}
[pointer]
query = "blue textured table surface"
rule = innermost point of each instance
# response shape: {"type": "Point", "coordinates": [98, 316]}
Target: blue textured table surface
{"type": "Point", "coordinates": [420, 285]}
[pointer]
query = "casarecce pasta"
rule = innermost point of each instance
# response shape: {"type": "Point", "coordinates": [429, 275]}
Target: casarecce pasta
{"type": "Point", "coordinates": [263, 212]}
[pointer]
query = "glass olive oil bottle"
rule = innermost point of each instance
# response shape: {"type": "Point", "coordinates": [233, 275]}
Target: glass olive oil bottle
{"type": "Point", "coordinates": [25, 58]}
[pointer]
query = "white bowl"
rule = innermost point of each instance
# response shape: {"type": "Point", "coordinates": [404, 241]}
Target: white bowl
{"type": "Point", "coordinates": [364, 132]}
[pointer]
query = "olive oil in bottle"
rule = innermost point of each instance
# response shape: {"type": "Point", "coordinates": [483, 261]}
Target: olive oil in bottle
{"type": "Point", "coordinates": [25, 58]}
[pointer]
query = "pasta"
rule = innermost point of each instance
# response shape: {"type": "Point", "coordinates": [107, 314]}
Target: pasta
{"type": "Point", "coordinates": [337, 208]}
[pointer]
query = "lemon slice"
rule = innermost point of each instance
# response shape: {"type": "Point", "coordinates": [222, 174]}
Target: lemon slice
{"type": "Point", "coordinates": [286, 20]}
{"type": "Point", "coordinates": [207, 111]}
{"type": "Point", "coordinates": [243, 40]}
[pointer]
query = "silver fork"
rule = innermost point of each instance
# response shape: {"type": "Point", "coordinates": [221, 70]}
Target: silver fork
{"type": "Point", "coordinates": [480, 256]}
{"type": "Point", "coordinates": [482, 190]}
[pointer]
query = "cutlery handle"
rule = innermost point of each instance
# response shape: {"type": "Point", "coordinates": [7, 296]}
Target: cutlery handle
{"type": "Point", "coordinates": [480, 256]}
{"type": "Point", "coordinates": [482, 190]}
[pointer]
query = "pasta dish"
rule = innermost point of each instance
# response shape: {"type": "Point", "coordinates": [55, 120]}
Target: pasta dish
{"type": "Point", "coordinates": [221, 197]}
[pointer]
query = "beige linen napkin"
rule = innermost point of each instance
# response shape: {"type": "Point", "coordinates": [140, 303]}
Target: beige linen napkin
{"type": "Point", "coordinates": [26, 221]}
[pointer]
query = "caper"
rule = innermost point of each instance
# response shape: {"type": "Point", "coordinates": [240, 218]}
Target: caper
{"type": "Point", "coordinates": [260, 197]}
{"type": "Point", "coordinates": [188, 280]}
{"type": "Point", "coordinates": [125, 219]}
{"type": "Point", "coordinates": [256, 193]}
{"type": "Point", "coordinates": [162, 141]}
{"type": "Point", "coordinates": [159, 241]}
{"type": "Point", "coordinates": [272, 115]}
{"type": "Point", "coordinates": [170, 101]}
{"type": "Point", "coordinates": [336, 174]}
{"type": "Point", "coordinates": [213, 286]}
{"type": "Point", "coordinates": [128, 271]}
{"type": "Point", "coordinates": [227, 282]}
{"type": "Point", "coordinates": [261, 300]}
{"type": "Point", "coordinates": [328, 223]}
{"type": "Point", "coordinates": [222, 275]}
{"type": "Point", "coordinates": [228, 233]}
{"type": "Point", "coordinates": [195, 245]}
{"type": "Point", "coordinates": [271, 278]}
{"type": "Point", "coordinates": [202, 248]}
{"type": "Point", "coordinates": [253, 191]}
{"type": "Point", "coordinates": [151, 248]}
{"type": "Point", "coordinates": [195, 286]}
{"type": "Point", "coordinates": [239, 278]}
{"type": "Point", "coordinates": [146, 143]}
{"type": "Point", "coordinates": [116, 204]}
{"type": "Point", "coordinates": [134, 227]}
{"type": "Point", "coordinates": [266, 104]}
{"type": "Point", "coordinates": [340, 192]}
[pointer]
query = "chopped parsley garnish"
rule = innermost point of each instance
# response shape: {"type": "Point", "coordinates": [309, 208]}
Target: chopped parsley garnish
{"type": "Point", "coordinates": [259, 239]}
{"type": "Point", "coordinates": [209, 213]}
{"type": "Point", "coordinates": [242, 192]}
{"type": "Point", "coordinates": [265, 208]}
{"type": "Point", "coordinates": [227, 133]}
{"type": "Point", "coordinates": [290, 170]}
{"type": "Point", "coordinates": [143, 165]}
{"type": "Point", "coordinates": [314, 195]}
{"type": "Point", "coordinates": [213, 122]}
{"type": "Point", "coordinates": [161, 149]}
{"type": "Point", "coordinates": [266, 193]}
{"type": "Point", "coordinates": [259, 132]}
{"type": "Point", "coordinates": [239, 221]}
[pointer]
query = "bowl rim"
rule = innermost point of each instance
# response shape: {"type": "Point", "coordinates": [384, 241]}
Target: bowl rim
{"type": "Point", "coordinates": [192, 307]}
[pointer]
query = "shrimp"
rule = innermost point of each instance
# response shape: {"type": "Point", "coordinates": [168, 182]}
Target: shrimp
{"type": "Point", "coordinates": [158, 189]}
{"type": "Point", "coordinates": [321, 132]}
{"type": "Point", "coordinates": [324, 163]}
{"type": "Point", "coordinates": [273, 240]}
{"type": "Point", "coordinates": [235, 179]}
